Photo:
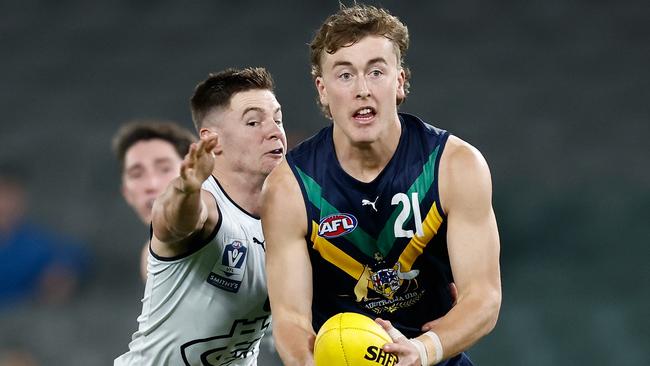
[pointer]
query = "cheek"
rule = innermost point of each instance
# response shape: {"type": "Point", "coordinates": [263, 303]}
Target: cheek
{"type": "Point", "coordinates": [133, 189]}
{"type": "Point", "coordinates": [130, 196]}
{"type": "Point", "coordinates": [165, 178]}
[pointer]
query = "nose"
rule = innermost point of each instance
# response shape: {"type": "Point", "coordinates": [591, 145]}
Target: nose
{"type": "Point", "coordinates": [152, 183]}
{"type": "Point", "coordinates": [362, 88]}
{"type": "Point", "coordinates": [274, 131]}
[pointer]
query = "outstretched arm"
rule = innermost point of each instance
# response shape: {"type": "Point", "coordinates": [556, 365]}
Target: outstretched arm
{"type": "Point", "coordinates": [473, 246]}
{"type": "Point", "coordinates": [284, 220]}
{"type": "Point", "coordinates": [182, 209]}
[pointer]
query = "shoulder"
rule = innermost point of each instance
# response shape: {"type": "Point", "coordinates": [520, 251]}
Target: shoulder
{"type": "Point", "coordinates": [280, 183]}
{"type": "Point", "coordinates": [312, 144]}
{"type": "Point", "coordinates": [464, 174]}
{"type": "Point", "coordinates": [460, 154]}
{"type": "Point", "coordinates": [282, 201]}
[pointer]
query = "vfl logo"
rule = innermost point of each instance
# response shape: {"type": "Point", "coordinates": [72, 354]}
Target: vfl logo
{"type": "Point", "coordinates": [229, 273]}
{"type": "Point", "coordinates": [235, 254]}
{"type": "Point", "coordinates": [365, 202]}
{"type": "Point", "coordinates": [336, 225]}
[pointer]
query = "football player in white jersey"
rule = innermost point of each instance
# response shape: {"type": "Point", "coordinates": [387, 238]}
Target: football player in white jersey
{"type": "Point", "coordinates": [150, 154]}
{"type": "Point", "coordinates": [205, 300]}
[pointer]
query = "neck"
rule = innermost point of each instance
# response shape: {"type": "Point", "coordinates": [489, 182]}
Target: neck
{"type": "Point", "coordinates": [365, 161]}
{"type": "Point", "coordinates": [244, 190]}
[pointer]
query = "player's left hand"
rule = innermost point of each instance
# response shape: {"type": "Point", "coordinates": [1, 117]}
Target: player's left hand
{"type": "Point", "coordinates": [405, 350]}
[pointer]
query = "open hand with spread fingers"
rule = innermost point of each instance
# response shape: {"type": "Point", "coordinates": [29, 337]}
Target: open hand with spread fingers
{"type": "Point", "coordinates": [198, 163]}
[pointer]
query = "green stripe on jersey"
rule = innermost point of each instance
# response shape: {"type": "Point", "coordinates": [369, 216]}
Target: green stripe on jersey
{"type": "Point", "coordinates": [364, 242]}
{"type": "Point", "coordinates": [422, 185]}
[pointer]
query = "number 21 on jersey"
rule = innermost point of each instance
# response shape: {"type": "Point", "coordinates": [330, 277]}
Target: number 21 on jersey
{"type": "Point", "coordinates": [408, 203]}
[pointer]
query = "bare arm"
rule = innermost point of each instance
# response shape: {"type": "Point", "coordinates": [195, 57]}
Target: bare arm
{"type": "Point", "coordinates": [288, 266]}
{"type": "Point", "coordinates": [473, 246]}
{"type": "Point", "coordinates": [182, 209]}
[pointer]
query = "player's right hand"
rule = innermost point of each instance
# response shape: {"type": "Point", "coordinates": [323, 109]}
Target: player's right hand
{"type": "Point", "coordinates": [198, 163]}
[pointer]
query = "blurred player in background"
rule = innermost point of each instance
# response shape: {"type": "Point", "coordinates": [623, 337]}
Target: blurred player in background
{"type": "Point", "coordinates": [36, 263]}
{"type": "Point", "coordinates": [205, 299]}
{"type": "Point", "coordinates": [150, 155]}
{"type": "Point", "coordinates": [379, 212]}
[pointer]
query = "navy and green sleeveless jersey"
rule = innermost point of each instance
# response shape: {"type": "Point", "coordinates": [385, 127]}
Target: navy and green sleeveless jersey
{"type": "Point", "coordinates": [378, 248]}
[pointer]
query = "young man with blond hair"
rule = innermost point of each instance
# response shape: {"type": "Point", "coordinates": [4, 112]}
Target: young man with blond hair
{"type": "Point", "coordinates": [379, 212]}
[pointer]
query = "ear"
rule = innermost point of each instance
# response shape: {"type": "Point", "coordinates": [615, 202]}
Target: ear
{"type": "Point", "coordinates": [401, 79]}
{"type": "Point", "coordinates": [322, 91]}
{"type": "Point", "coordinates": [205, 133]}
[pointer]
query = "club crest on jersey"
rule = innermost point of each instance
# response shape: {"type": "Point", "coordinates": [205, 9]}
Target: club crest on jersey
{"type": "Point", "coordinates": [336, 225]}
{"type": "Point", "coordinates": [386, 282]}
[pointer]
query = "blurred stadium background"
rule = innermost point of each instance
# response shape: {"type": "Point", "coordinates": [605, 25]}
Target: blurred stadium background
{"type": "Point", "coordinates": [555, 93]}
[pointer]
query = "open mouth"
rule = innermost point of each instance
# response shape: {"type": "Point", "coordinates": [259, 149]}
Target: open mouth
{"type": "Point", "coordinates": [365, 113]}
{"type": "Point", "coordinates": [278, 151]}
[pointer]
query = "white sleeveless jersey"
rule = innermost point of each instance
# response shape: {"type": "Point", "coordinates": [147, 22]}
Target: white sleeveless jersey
{"type": "Point", "coordinates": [208, 307]}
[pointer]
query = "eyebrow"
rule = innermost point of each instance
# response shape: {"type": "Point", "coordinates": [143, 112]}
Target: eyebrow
{"type": "Point", "coordinates": [162, 160]}
{"type": "Point", "coordinates": [132, 168]}
{"type": "Point", "coordinates": [260, 110]}
{"type": "Point", "coordinates": [377, 60]}
{"type": "Point", "coordinates": [370, 62]}
{"type": "Point", "coordinates": [139, 165]}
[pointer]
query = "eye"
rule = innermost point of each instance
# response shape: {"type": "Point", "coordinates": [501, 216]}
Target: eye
{"type": "Point", "coordinates": [166, 169]}
{"type": "Point", "coordinates": [278, 122]}
{"type": "Point", "coordinates": [135, 174]}
{"type": "Point", "coordinates": [252, 123]}
{"type": "Point", "coordinates": [345, 76]}
{"type": "Point", "coordinates": [376, 73]}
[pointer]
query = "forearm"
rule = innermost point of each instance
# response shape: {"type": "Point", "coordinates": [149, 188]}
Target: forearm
{"type": "Point", "coordinates": [294, 341]}
{"type": "Point", "coordinates": [473, 317]}
{"type": "Point", "coordinates": [180, 211]}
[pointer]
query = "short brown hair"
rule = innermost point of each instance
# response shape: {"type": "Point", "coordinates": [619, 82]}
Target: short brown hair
{"type": "Point", "coordinates": [351, 24]}
{"type": "Point", "coordinates": [217, 90]}
{"type": "Point", "coordinates": [141, 130]}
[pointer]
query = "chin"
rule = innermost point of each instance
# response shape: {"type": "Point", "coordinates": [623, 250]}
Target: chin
{"type": "Point", "coordinates": [363, 137]}
{"type": "Point", "coordinates": [266, 170]}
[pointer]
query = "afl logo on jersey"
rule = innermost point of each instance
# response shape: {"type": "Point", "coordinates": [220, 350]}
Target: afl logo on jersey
{"type": "Point", "coordinates": [336, 225]}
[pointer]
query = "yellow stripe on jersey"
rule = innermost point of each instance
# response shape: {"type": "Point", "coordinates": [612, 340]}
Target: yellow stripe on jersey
{"type": "Point", "coordinates": [416, 246]}
{"type": "Point", "coordinates": [334, 255]}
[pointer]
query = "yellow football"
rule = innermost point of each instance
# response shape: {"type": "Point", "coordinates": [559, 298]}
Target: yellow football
{"type": "Point", "coordinates": [351, 339]}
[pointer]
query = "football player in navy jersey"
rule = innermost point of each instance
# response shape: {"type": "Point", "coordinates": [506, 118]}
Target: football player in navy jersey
{"type": "Point", "coordinates": [380, 211]}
